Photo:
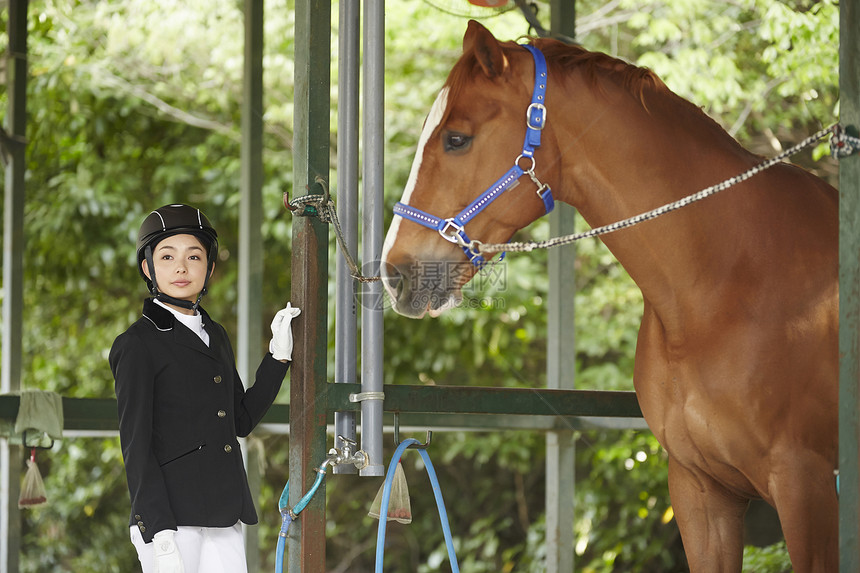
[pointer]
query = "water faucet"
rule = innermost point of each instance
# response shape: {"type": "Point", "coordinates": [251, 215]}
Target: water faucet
{"type": "Point", "coordinates": [347, 455]}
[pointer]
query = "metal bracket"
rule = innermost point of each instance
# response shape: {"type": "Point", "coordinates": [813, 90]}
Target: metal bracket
{"type": "Point", "coordinates": [42, 435]}
{"type": "Point", "coordinates": [362, 396]}
{"type": "Point", "coordinates": [423, 446]}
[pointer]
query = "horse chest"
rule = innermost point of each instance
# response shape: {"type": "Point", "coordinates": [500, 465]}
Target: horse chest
{"type": "Point", "coordinates": [709, 437]}
{"type": "Point", "coordinates": [698, 409]}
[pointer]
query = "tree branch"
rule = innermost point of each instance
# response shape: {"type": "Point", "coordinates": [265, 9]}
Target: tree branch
{"type": "Point", "coordinates": [107, 79]}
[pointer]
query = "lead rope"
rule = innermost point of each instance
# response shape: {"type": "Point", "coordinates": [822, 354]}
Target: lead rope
{"type": "Point", "coordinates": [841, 145]}
{"type": "Point", "coordinates": [323, 206]}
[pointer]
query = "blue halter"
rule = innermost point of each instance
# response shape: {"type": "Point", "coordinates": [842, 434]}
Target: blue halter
{"type": "Point", "coordinates": [452, 229]}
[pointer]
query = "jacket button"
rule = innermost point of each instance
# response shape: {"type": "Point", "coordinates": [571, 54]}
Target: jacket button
{"type": "Point", "coordinates": [142, 528]}
{"type": "Point", "coordinates": [137, 517]}
{"type": "Point", "coordinates": [228, 448]}
{"type": "Point", "coordinates": [221, 413]}
{"type": "Point", "coordinates": [217, 379]}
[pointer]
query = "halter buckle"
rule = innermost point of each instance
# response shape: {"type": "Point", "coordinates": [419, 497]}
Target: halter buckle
{"type": "Point", "coordinates": [539, 120]}
{"type": "Point", "coordinates": [448, 235]}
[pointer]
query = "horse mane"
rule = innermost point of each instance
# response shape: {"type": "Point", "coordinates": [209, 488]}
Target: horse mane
{"type": "Point", "coordinates": [565, 57]}
{"type": "Point", "coordinates": [562, 59]}
{"type": "Point", "coordinates": [635, 79]}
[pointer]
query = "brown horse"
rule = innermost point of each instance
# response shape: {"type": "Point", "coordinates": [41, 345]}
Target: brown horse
{"type": "Point", "coordinates": [736, 364]}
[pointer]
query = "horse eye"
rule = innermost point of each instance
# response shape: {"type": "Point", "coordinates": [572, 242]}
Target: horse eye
{"type": "Point", "coordinates": [454, 141]}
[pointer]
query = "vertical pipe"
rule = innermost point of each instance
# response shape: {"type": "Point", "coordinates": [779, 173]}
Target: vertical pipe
{"type": "Point", "coordinates": [250, 220]}
{"type": "Point", "coordinates": [13, 270]}
{"type": "Point", "coordinates": [561, 366]}
{"type": "Point", "coordinates": [346, 319]}
{"type": "Point", "coordinates": [308, 384]}
{"type": "Point", "coordinates": [372, 203]}
{"type": "Point", "coordinates": [251, 195]}
{"type": "Point", "coordinates": [849, 293]}
{"type": "Point", "coordinates": [561, 363]}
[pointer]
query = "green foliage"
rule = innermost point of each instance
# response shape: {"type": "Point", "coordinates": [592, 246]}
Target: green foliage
{"type": "Point", "coordinates": [624, 516]}
{"type": "Point", "coordinates": [771, 559]}
{"type": "Point", "coordinates": [135, 103]}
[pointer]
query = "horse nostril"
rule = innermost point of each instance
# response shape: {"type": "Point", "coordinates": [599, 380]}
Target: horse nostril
{"type": "Point", "coordinates": [392, 279]}
{"type": "Point", "coordinates": [395, 284]}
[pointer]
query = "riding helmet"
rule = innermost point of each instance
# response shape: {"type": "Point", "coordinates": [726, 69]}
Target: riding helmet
{"type": "Point", "coordinates": [174, 220]}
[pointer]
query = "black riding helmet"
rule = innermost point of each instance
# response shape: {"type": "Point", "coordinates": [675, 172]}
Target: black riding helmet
{"type": "Point", "coordinates": [165, 222]}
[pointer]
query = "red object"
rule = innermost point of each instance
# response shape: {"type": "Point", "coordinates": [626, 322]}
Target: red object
{"type": "Point", "coordinates": [489, 3]}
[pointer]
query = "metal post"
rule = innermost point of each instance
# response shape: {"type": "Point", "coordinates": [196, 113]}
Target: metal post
{"type": "Point", "coordinates": [372, 234]}
{"type": "Point", "coordinates": [250, 235]}
{"type": "Point", "coordinates": [561, 369]}
{"type": "Point", "coordinates": [563, 18]}
{"type": "Point", "coordinates": [251, 201]}
{"type": "Point", "coordinates": [13, 270]}
{"type": "Point", "coordinates": [849, 293]}
{"type": "Point", "coordinates": [561, 363]}
{"type": "Point", "coordinates": [309, 283]}
{"type": "Point", "coordinates": [346, 318]}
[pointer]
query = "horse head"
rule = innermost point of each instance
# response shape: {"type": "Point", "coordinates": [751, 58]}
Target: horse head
{"type": "Point", "coordinates": [478, 144]}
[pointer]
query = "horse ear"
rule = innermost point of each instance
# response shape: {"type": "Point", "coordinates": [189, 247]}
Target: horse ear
{"type": "Point", "coordinates": [487, 49]}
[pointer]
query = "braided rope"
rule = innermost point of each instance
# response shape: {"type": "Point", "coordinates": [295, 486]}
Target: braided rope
{"type": "Point", "coordinates": [323, 207]}
{"type": "Point", "coordinates": [341, 241]}
{"type": "Point", "coordinates": [654, 213]}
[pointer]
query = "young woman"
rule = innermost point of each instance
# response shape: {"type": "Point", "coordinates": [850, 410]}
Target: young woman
{"type": "Point", "coordinates": [182, 405]}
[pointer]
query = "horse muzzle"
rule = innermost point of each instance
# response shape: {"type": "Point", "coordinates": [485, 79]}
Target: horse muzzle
{"type": "Point", "coordinates": [420, 287]}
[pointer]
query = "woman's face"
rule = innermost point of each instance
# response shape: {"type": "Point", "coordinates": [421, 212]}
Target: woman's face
{"type": "Point", "coordinates": [180, 266]}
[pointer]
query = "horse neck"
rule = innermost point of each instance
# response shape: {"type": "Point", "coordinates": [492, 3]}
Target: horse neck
{"type": "Point", "coordinates": [620, 159]}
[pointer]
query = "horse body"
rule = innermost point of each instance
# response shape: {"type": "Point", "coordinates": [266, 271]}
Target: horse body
{"type": "Point", "coordinates": [736, 365]}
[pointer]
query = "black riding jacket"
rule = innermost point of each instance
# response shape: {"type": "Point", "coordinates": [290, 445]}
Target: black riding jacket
{"type": "Point", "coordinates": [181, 407]}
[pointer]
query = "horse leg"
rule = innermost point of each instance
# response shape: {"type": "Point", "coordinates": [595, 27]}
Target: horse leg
{"type": "Point", "coordinates": [710, 518]}
{"type": "Point", "coordinates": [805, 498]}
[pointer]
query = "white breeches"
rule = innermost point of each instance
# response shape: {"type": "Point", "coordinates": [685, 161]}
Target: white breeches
{"type": "Point", "coordinates": [203, 549]}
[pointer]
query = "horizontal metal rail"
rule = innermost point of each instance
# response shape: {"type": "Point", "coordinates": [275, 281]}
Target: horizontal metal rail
{"type": "Point", "coordinates": [465, 407]}
{"type": "Point", "coordinates": [494, 400]}
{"type": "Point", "coordinates": [78, 413]}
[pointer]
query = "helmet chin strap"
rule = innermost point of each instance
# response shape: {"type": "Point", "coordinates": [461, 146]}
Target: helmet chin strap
{"type": "Point", "coordinates": [166, 298]}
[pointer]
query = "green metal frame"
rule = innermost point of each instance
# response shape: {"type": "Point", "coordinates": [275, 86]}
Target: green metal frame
{"type": "Point", "coordinates": [849, 292]}
{"type": "Point", "coordinates": [13, 269]}
{"type": "Point", "coordinates": [311, 158]}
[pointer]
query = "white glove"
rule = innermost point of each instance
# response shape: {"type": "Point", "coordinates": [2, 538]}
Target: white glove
{"type": "Point", "coordinates": [167, 558]}
{"type": "Point", "coordinates": [281, 345]}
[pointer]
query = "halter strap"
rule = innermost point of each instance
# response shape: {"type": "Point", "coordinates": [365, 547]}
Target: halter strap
{"type": "Point", "coordinates": [536, 113]}
{"type": "Point", "coordinates": [452, 229]}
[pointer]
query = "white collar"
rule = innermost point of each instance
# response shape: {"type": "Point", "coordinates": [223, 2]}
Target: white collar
{"type": "Point", "coordinates": [193, 321]}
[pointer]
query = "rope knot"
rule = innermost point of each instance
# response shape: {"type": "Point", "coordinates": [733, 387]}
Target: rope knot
{"type": "Point", "coordinates": [313, 204]}
{"type": "Point", "coordinates": [842, 144]}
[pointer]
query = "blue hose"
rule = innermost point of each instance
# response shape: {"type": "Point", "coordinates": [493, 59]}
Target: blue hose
{"type": "Point", "coordinates": [311, 492]}
{"type": "Point", "coordinates": [287, 519]}
{"type": "Point", "coordinates": [386, 498]}
{"type": "Point", "coordinates": [288, 515]}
